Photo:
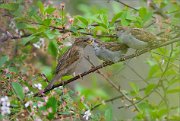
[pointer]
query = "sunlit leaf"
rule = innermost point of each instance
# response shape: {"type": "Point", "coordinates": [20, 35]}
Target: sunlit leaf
{"type": "Point", "coordinates": [9, 6]}
{"type": "Point", "coordinates": [83, 20]}
{"type": "Point", "coordinates": [3, 60]}
{"type": "Point", "coordinates": [52, 48]}
{"type": "Point", "coordinates": [18, 90]}
{"type": "Point", "coordinates": [175, 90]}
{"type": "Point", "coordinates": [27, 39]}
{"type": "Point", "coordinates": [108, 115]}
{"type": "Point", "coordinates": [149, 88]}
{"type": "Point", "coordinates": [52, 103]}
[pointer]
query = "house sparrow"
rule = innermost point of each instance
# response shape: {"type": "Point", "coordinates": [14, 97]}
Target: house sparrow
{"type": "Point", "coordinates": [108, 51]}
{"type": "Point", "coordinates": [137, 38]}
{"type": "Point", "coordinates": [68, 62]}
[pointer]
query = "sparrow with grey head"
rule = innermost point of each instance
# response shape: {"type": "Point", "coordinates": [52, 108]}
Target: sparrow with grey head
{"type": "Point", "coordinates": [108, 51]}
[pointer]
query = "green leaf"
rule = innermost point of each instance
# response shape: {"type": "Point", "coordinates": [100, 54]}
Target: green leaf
{"type": "Point", "coordinates": [52, 48]}
{"type": "Point", "coordinates": [83, 20]}
{"type": "Point", "coordinates": [52, 103]}
{"type": "Point", "coordinates": [103, 25]}
{"type": "Point", "coordinates": [41, 7]}
{"type": "Point", "coordinates": [46, 22]}
{"type": "Point", "coordinates": [49, 10]}
{"type": "Point", "coordinates": [67, 77]}
{"type": "Point", "coordinates": [116, 17]}
{"type": "Point", "coordinates": [3, 60]}
{"type": "Point", "coordinates": [104, 19]}
{"type": "Point", "coordinates": [18, 90]}
{"type": "Point", "coordinates": [134, 87]}
{"type": "Point", "coordinates": [149, 88]}
{"type": "Point", "coordinates": [124, 22]}
{"type": "Point", "coordinates": [27, 39]}
{"type": "Point", "coordinates": [9, 6]}
{"type": "Point", "coordinates": [144, 14]}
{"type": "Point", "coordinates": [129, 16]}
{"type": "Point", "coordinates": [49, 34]}
{"type": "Point", "coordinates": [108, 115]}
{"type": "Point", "coordinates": [175, 90]}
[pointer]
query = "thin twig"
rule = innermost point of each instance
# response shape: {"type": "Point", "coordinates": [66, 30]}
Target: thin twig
{"type": "Point", "coordinates": [117, 88]}
{"type": "Point", "coordinates": [112, 99]}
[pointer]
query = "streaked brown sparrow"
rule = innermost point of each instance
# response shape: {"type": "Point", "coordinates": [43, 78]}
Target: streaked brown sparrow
{"type": "Point", "coordinates": [68, 62]}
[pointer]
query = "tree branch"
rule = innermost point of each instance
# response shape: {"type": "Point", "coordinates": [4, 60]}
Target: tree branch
{"type": "Point", "coordinates": [104, 64]}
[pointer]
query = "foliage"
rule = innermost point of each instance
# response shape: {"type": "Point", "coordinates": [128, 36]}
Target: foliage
{"type": "Point", "coordinates": [43, 31]}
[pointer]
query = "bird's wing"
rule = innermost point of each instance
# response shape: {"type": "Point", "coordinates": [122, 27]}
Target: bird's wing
{"type": "Point", "coordinates": [143, 35]}
{"type": "Point", "coordinates": [114, 46]}
{"type": "Point", "coordinates": [69, 57]}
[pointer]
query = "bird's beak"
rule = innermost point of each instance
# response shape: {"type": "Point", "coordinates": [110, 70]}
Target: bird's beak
{"type": "Point", "coordinates": [90, 42]}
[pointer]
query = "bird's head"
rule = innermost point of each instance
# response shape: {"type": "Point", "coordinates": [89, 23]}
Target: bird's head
{"type": "Point", "coordinates": [84, 41]}
{"type": "Point", "coordinates": [121, 29]}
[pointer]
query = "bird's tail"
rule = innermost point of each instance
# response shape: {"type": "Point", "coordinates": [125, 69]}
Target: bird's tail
{"type": "Point", "coordinates": [50, 85]}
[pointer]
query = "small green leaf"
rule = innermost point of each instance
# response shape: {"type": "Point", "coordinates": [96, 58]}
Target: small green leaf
{"type": "Point", "coordinates": [52, 103]}
{"type": "Point", "coordinates": [3, 60]}
{"type": "Point", "coordinates": [46, 22]}
{"type": "Point", "coordinates": [134, 87]}
{"type": "Point", "coordinates": [116, 17]}
{"type": "Point", "coordinates": [18, 90]}
{"type": "Point", "coordinates": [49, 10]}
{"type": "Point", "coordinates": [149, 88]}
{"type": "Point", "coordinates": [9, 6]}
{"type": "Point", "coordinates": [49, 34]}
{"type": "Point", "coordinates": [175, 90]}
{"type": "Point", "coordinates": [83, 20]}
{"type": "Point", "coordinates": [104, 19]}
{"type": "Point", "coordinates": [124, 22]}
{"type": "Point", "coordinates": [103, 25]}
{"type": "Point", "coordinates": [52, 48]}
{"type": "Point", "coordinates": [27, 39]}
{"type": "Point", "coordinates": [144, 14]}
{"type": "Point", "coordinates": [108, 115]}
{"type": "Point", "coordinates": [41, 7]}
{"type": "Point", "coordinates": [67, 77]}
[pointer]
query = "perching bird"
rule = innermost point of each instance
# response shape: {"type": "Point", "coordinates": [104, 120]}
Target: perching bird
{"type": "Point", "coordinates": [137, 38]}
{"type": "Point", "coordinates": [108, 51]}
{"type": "Point", "coordinates": [68, 62]}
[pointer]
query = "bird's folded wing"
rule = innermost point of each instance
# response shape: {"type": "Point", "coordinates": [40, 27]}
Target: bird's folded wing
{"type": "Point", "coordinates": [143, 35]}
{"type": "Point", "coordinates": [69, 57]}
{"type": "Point", "coordinates": [113, 46]}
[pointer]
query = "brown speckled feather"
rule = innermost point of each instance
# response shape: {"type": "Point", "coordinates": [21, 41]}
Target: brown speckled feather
{"type": "Point", "coordinates": [113, 46]}
{"type": "Point", "coordinates": [69, 57]}
{"type": "Point", "coordinates": [143, 35]}
{"type": "Point", "coordinates": [68, 62]}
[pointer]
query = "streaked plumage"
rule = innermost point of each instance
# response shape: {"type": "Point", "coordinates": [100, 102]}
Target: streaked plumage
{"type": "Point", "coordinates": [68, 62]}
{"type": "Point", "coordinates": [137, 38]}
